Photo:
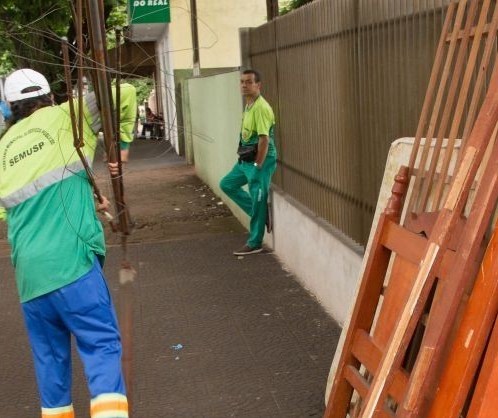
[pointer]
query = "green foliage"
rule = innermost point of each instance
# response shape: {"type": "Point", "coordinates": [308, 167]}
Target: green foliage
{"type": "Point", "coordinates": [118, 17]}
{"type": "Point", "coordinates": [144, 86]}
{"type": "Point", "coordinates": [30, 35]}
{"type": "Point", "coordinates": [291, 5]}
{"type": "Point", "coordinates": [6, 64]}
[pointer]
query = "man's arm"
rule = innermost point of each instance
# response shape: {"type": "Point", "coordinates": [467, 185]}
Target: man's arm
{"type": "Point", "coordinates": [264, 120]}
{"type": "Point", "coordinates": [128, 114]}
{"type": "Point", "coordinates": [128, 117]}
{"type": "Point", "coordinates": [264, 140]}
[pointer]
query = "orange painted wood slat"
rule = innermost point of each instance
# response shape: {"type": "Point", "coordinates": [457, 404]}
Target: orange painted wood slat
{"type": "Point", "coordinates": [369, 354]}
{"type": "Point", "coordinates": [484, 402]}
{"type": "Point", "coordinates": [468, 346]}
{"type": "Point", "coordinates": [356, 380]}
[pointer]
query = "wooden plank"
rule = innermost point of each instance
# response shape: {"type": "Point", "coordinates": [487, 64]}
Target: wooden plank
{"type": "Point", "coordinates": [396, 294]}
{"type": "Point", "coordinates": [406, 244]}
{"type": "Point", "coordinates": [356, 380]}
{"type": "Point", "coordinates": [484, 402]}
{"type": "Point", "coordinates": [410, 245]}
{"type": "Point", "coordinates": [369, 354]}
{"type": "Point", "coordinates": [469, 343]}
{"type": "Point", "coordinates": [485, 31]}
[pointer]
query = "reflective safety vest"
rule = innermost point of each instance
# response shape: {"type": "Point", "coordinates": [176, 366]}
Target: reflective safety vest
{"type": "Point", "coordinates": [53, 228]}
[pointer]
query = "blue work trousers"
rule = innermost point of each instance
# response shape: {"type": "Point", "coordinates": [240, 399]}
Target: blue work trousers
{"type": "Point", "coordinates": [85, 310]}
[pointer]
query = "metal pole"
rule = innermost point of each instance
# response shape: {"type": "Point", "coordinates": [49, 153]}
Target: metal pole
{"type": "Point", "coordinates": [195, 38]}
{"type": "Point", "coordinates": [106, 108]}
{"type": "Point", "coordinates": [271, 9]}
{"type": "Point", "coordinates": [118, 100]}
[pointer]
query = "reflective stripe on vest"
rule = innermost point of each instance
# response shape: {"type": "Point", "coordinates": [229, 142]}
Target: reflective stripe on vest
{"type": "Point", "coordinates": [46, 180]}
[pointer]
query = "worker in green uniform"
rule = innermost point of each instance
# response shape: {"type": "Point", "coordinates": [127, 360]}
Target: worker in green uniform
{"type": "Point", "coordinates": [257, 161]}
{"type": "Point", "coordinates": [58, 247]}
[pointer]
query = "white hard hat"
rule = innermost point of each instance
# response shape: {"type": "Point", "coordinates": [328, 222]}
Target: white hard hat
{"type": "Point", "coordinates": [24, 84]}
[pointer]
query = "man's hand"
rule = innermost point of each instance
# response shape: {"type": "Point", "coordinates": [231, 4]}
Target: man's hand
{"type": "Point", "coordinates": [104, 206]}
{"type": "Point", "coordinates": [113, 168]}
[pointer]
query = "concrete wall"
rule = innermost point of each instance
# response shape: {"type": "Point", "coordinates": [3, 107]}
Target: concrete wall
{"type": "Point", "coordinates": [218, 25]}
{"type": "Point", "coordinates": [212, 109]}
{"type": "Point", "coordinates": [323, 259]}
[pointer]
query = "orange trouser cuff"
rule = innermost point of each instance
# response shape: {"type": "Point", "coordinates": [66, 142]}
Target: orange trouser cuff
{"type": "Point", "coordinates": [61, 412]}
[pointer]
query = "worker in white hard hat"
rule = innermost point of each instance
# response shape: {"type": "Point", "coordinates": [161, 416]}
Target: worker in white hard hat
{"type": "Point", "coordinates": [58, 247]}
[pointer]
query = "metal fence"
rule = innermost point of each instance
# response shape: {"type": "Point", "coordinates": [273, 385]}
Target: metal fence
{"type": "Point", "coordinates": [346, 78]}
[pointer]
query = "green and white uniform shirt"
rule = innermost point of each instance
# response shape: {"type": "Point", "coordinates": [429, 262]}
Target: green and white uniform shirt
{"type": "Point", "coordinates": [258, 119]}
{"type": "Point", "coordinates": [128, 114]}
{"type": "Point", "coordinates": [53, 228]}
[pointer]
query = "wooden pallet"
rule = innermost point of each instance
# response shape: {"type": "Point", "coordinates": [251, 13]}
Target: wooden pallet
{"type": "Point", "coordinates": [385, 369]}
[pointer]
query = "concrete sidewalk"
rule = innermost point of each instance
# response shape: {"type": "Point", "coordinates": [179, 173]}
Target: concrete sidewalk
{"type": "Point", "coordinates": [214, 335]}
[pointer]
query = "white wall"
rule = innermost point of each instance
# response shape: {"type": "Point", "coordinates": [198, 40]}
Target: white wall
{"type": "Point", "coordinates": [218, 25]}
{"type": "Point", "coordinates": [213, 109]}
{"type": "Point", "coordinates": [166, 87]}
{"type": "Point", "coordinates": [322, 259]}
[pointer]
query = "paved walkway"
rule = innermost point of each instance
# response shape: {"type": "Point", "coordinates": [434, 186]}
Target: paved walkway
{"type": "Point", "coordinates": [214, 335]}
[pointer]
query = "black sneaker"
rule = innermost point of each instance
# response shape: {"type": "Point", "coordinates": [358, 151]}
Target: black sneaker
{"type": "Point", "coordinates": [246, 250]}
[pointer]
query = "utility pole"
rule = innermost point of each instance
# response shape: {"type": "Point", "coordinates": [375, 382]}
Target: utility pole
{"type": "Point", "coordinates": [195, 38]}
{"type": "Point", "coordinates": [271, 9]}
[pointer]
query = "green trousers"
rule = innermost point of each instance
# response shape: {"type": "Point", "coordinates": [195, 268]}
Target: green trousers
{"type": "Point", "coordinates": [255, 202]}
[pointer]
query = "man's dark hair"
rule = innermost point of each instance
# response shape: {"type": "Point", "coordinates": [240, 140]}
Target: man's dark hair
{"type": "Point", "coordinates": [23, 108]}
{"type": "Point", "coordinates": [257, 75]}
